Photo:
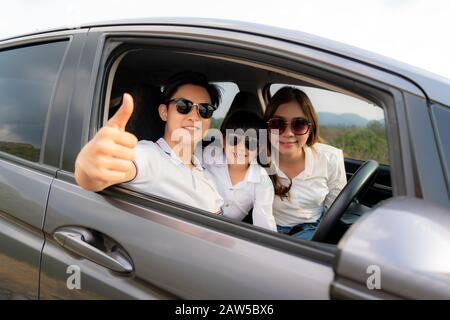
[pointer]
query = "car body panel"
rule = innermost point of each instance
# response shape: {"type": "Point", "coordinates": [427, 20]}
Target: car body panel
{"type": "Point", "coordinates": [20, 254]}
{"type": "Point", "coordinates": [23, 199]}
{"type": "Point", "coordinates": [176, 255]}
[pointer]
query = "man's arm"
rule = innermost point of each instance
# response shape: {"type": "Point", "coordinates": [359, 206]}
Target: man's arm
{"type": "Point", "coordinates": [108, 158]}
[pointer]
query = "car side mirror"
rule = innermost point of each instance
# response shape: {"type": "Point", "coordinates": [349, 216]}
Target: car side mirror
{"type": "Point", "coordinates": [400, 250]}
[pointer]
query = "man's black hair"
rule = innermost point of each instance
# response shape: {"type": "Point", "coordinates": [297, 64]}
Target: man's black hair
{"type": "Point", "coordinates": [189, 77]}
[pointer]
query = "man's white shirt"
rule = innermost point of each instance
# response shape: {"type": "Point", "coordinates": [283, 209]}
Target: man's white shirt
{"type": "Point", "coordinates": [162, 173]}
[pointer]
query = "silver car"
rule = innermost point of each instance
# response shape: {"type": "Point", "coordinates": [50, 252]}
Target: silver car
{"type": "Point", "coordinates": [387, 235]}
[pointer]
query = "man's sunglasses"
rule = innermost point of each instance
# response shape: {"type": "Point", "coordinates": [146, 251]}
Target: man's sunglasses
{"type": "Point", "coordinates": [251, 143]}
{"type": "Point", "coordinates": [184, 106]}
{"type": "Point", "coordinates": [299, 126]}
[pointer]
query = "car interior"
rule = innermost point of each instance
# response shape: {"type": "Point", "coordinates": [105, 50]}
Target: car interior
{"type": "Point", "coordinates": [142, 72]}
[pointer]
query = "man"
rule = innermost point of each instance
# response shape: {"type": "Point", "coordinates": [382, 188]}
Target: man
{"type": "Point", "coordinates": [167, 168]}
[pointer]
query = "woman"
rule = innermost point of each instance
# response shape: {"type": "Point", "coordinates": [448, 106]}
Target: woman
{"type": "Point", "coordinates": [308, 175]}
{"type": "Point", "coordinates": [240, 180]}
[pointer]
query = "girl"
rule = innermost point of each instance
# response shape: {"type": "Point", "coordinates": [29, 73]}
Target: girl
{"type": "Point", "coordinates": [240, 180]}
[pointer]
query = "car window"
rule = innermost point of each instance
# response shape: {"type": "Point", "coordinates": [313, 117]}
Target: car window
{"type": "Point", "coordinates": [27, 79]}
{"type": "Point", "coordinates": [348, 123]}
{"type": "Point", "coordinates": [354, 120]}
{"type": "Point", "coordinates": [228, 92]}
{"type": "Point", "coordinates": [441, 116]}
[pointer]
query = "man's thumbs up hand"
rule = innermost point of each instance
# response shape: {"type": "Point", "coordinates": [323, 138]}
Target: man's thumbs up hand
{"type": "Point", "coordinates": [108, 158]}
{"type": "Point", "coordinates": [120, 119]}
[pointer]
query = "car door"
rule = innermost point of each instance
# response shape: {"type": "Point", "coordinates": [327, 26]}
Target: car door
{"type": "Point", "coordinates": [29, 72]}
{"type": "Point", "coordinates": [121, 244]}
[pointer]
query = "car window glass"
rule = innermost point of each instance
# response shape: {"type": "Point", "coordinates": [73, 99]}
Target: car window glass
{"type": "Point", "coordinates": [228, 92]}
{"type": "Point", "coordinates": [442, 117]}
{"type": "Point", "coordinates": [27, 79]}
{"type": "Point", "coordinates": [348, 123]}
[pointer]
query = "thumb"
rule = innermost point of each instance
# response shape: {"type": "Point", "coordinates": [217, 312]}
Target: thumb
{"type": "Point", "coordinates": [121, 117]}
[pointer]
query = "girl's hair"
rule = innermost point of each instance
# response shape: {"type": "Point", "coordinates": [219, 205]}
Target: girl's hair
{"type": "Point", "coordinates": [242, 119]}
{"type": "Point", "coordinates": [286, 95]}
{"type": "Point", "coordinates": [245, 120]}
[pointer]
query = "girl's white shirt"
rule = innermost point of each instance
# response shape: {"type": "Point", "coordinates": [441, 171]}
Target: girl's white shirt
{"type": "Point", "coordinates": [255, 190]}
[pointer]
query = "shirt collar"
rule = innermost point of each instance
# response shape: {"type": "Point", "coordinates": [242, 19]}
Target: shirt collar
{"type": "Point", "coordinates": [309, 163]}
{"type": "Point", "coordinates": [173, 156]}
{"type": "Point", "coordinates": [253, 174]}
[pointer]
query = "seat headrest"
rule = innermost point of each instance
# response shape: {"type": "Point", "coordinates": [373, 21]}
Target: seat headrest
{"type": "Point", "coordinates": [145, 122]}
{"type": "Point", "coordinates": [245, 100]}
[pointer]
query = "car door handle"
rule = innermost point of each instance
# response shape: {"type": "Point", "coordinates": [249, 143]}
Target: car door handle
{"type": "Point", "coordinates": [77, 239]}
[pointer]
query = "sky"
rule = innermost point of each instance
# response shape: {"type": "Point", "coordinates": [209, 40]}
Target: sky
{"type": "Point", "coordinates": [322, 100]}
{"type": "Point", "coordinates": [416, 32]}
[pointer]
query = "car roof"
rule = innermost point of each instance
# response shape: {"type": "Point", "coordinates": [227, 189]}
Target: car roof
{"type": "Point", "coordinates": [435, 87]}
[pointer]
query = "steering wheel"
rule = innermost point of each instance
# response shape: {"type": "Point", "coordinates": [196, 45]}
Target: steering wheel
{"type": "Point", "coordinates": [352, 189]}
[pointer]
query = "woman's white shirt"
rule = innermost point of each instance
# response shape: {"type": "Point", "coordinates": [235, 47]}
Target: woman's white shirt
{"type": "Point", "coordinates": [313, 190]}
{"type": "Point", "coordinates": [255, 190]}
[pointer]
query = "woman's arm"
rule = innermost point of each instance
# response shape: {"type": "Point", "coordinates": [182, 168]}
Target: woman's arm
{"type": "Point", "coordinates": [336, 177]}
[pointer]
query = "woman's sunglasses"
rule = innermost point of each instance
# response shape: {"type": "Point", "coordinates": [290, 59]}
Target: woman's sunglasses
{"type": "Point", "coordinates": [251, 143]}
{"type": "Point", "coordinates": [184, 106]}
{"type": "Point", "coordinates": [299, 126]}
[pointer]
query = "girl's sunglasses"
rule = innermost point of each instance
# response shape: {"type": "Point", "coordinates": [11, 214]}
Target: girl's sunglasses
{"type": "Point", "coordinates": [299, 126]}
{"type": "Point", "coordinates": [251, 143]}
{"type": "Point", "coordinates": [184, 106]}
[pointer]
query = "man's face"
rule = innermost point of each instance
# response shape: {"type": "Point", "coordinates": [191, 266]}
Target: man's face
{"type": "Point", "coordinates": [183, 127]}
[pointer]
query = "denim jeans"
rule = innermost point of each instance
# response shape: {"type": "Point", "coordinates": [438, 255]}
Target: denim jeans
{"type": "Point", "coordinates": [303, 231]}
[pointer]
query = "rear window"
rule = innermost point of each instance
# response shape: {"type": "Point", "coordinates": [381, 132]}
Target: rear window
{"type": "Point", "coordinates": [228, 92]}
{"type": "Point", "coordinates": [27, 79]}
